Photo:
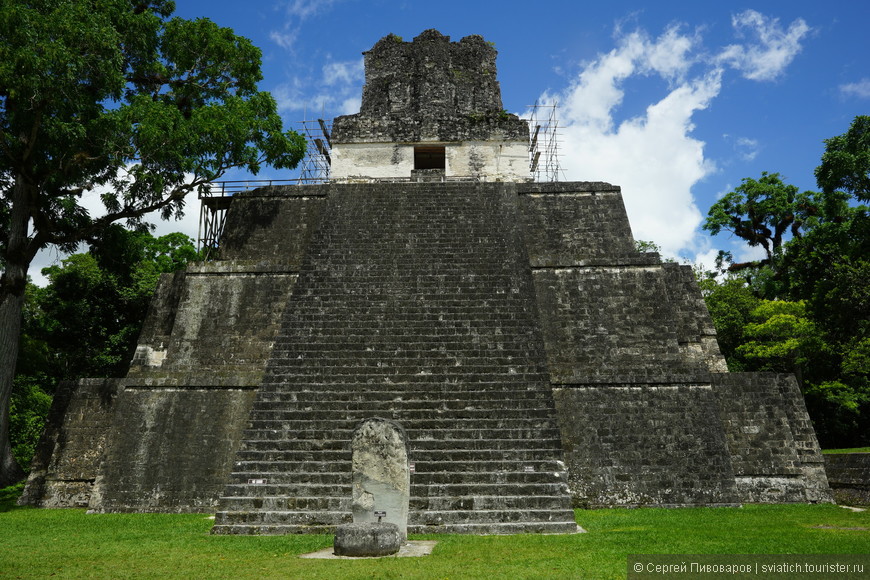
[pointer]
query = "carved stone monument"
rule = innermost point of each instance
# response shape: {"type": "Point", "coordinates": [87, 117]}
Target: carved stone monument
{"type": "Point", "coordinates": [381, 474]}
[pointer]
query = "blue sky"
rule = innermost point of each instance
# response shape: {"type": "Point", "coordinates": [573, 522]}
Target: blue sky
{"type": "Point", "coordinates": [675, 101]}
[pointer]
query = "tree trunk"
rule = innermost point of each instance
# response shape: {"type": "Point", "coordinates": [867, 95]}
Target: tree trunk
{"type": "Point", "coordinates": [10, 330]}
{"type": "Point", "coordinates": [17, 256]}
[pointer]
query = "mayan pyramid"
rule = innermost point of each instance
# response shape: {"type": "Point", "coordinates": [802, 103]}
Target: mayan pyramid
{"type": "Point", "coordinates": [537, 361]}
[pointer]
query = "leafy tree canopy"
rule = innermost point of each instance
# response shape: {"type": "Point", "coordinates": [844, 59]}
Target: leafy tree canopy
{"type": "Point", "coordinates": [762, 212]}
{"type": "Point", "coordinates": [806, 308]}
{"type": "Point", "coordinates": [117, 98]}
{"type": "Point", "coordinates": [112, 94]}
{"type": "Point", "coordinates": [846, 162]}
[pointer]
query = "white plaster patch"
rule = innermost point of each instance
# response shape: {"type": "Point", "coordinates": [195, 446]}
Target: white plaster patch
{"type": "Point", "coordinates": [483, 160]}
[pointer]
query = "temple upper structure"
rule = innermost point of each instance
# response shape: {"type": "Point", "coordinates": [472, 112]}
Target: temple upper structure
{"type": "Point", "coordinates": [431, 110]}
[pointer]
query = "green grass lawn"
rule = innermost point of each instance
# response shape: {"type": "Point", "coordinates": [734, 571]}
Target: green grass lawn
{"type": "Point", "coordinates": [36, 543]}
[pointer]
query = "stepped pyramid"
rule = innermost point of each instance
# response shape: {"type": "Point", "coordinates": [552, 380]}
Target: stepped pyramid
{"type": "Point", "coordinates": [447, 345]}
{"type": "Point", "coordinates": [537, 361]}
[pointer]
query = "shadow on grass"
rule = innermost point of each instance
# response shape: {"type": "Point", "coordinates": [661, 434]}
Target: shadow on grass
{"type": "Point", "coordinates": [9, 497]}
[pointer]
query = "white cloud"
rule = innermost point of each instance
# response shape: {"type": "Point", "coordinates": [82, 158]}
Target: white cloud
{"type": "Point", "coordinates": [654, 156]}
{"type": "Point", "coordinates": [861, 89]}
{"type": "Point", "coordinates": [771, 49]}
{"type": "Point", "coordinates": [297, 11]}
{"type": "Point", "coordinates": [747, 148]}
{"type": "Point", "coordinates": [303, 9]}
{"type": "Point", "coordinates": [350, 106]}
{"type": "Point", "coordinates": [671, 55]}
{"type": "Point", "coordinates": [284, 39]}
{"type": "Point", "coordinates": [348, 72]}
{"type": "Point", "coordinates": [337, 89]}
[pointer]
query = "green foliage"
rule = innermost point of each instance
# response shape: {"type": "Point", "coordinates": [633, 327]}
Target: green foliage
{"type": "Point", "coordinates": [779, 337]}
{"type": "Point", "coordinates": [846, 161]}
{"type": "Point", "coordinates": [28, 408]}
{"type": "Point", "coordinates": [9, 496]}
{"type": "Point", "coordinates": [90, 313]}
{"type": "Point", "coordinates": [730, 304]}
{"type": "Point", "coordinates": [847, 450]}
{"type": "Point", "coordinates": [123, 96]}
{"type": "Point", "coordinates": [646, 246]}
{"type": "Point", "coordinates": [811, 310]}
{"type": "Point", "coordinates": [829, 268]}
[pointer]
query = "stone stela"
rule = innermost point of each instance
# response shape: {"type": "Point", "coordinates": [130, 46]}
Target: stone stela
{"type": "Point", "coordinates": [381, 478]}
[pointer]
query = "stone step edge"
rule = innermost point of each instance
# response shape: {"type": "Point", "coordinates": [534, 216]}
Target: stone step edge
{"type": "Point", "coordinates": [495, 529]}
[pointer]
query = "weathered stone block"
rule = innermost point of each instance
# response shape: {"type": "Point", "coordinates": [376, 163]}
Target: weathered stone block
{"type": "Point", "coordinates": [635, 445]}
{"type": "Point", "coordinates": [67, 459]}
{"type": "Point", "coordinates": [171, 448]}
{"type": "Point", "coordinates": [849, 476]}
{"type": "Point", "coordinates": [370, 539]}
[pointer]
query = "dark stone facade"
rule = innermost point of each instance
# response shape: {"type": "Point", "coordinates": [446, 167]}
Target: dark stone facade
{"type": "Point", "coordinates": [442, 292]}
{"type": "Point", "coordinates": [849, 476]}
{"type": "Point", "coordinates": [430, 89]}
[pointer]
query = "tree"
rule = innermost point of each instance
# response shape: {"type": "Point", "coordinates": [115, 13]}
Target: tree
{"type": "Point", "coordinates": [115, 97]}
{"type": "Point", "coordinates": [730, 304]}
{"type": "Point", "coordinates": [812, 301]}
{"type": "Point", "coordinates": [762, 212]}
{"type": "Point", "coordinates": [846, 161]}
{"type": "Point", "coordinates": [780, 337]}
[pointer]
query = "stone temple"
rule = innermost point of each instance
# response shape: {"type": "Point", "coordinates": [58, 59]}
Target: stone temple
{"type": "Point", "coordinates": [536, 360]}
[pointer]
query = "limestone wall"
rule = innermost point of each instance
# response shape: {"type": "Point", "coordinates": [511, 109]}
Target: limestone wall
{"type": "Point", "coordinates": [171, 448]}
{"type": "Point", "coordinates": [696, 335]}
{"type": "Point", "coordinates": [227, 318]}
{"type": "Point", "coordinates": [273, 225]}
{"type": "Point", "coordinates": [577, 224]}
{"type": "Point", "coordinates": [67, 459]}
{"type": "Point", "coordinates": [760, 442]}
{"type": "Point", "coordinates": [482, 160]}
{"type": "Point", "coordinates": [635, 445]}
{"type": "Point", "coordinates": [849, 476]}
{"type": "Point", "coordinates": [222, 316]}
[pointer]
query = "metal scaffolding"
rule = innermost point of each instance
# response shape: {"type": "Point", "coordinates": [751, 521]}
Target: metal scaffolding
{"type": "Point", "coordinates": [544, 142]}
{"type": "Point", "coordinates": [318, 158]}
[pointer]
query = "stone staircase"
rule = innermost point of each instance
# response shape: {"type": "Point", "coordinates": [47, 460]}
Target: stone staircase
{"type": "Point", "coordinates": [414, 304]}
